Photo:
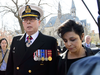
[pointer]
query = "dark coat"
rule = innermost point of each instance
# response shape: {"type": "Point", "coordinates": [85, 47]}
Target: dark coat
{"type": "Point", "coordinates": [64, 49]}
{"type": "Point", "coordinates": [58, 47]}
{"type": "Point", "coordinates": [62, 61]}
{"type": "Point", "coordinates": [21, 61]}
{"type": "Point", "coordinates": [86, 66]}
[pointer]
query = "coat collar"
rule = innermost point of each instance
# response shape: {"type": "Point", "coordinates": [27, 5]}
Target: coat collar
{"type": "Point", "coordinates": [88, 52]}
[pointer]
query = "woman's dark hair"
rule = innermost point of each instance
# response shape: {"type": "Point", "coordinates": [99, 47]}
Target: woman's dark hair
{"type": "Point", "coordinates": [70, 25]}
{"type": "Point", "coordinates": [2, 40]}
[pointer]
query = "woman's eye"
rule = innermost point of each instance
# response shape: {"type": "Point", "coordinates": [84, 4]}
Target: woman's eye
{"type": "Point", "coordinates": [73, 39]}
{"type": "Point", "coordinates": [65, 40]}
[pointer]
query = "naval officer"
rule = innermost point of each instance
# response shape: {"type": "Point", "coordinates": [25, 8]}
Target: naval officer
{"type": "Point", "coordinates": [32, 53]}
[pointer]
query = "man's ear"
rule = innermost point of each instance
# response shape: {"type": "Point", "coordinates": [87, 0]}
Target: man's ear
{"type": "Point", "coordinates": [39, 22]}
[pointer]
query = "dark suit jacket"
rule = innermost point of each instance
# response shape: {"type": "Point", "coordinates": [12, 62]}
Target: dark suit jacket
{"type": "Point", "coordinates": [21, 62]}
{"type": "Point", "coordinates": [91, 45]}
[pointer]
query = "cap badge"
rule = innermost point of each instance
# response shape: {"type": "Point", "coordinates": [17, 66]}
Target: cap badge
{"type": "Point", "coordinates": [27, 9]}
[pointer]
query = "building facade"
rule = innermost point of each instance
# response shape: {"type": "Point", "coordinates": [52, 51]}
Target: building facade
{"type": "Point", "coordinates": [52, 25]}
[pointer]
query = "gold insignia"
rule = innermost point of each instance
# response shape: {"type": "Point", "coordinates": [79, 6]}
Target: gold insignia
{"type": "Point", "coordinates": [27, 9]}
{"type": "Point", "coordinates": [41, 64]}
{"type": "Point", "coordinates": [17, 68]}
{"type": "Point", "coordinates": [42, 58]}
{"type": "Point", "coordinates": [49, 58]}
{"type": "Point", "coordinates": [29, 71]}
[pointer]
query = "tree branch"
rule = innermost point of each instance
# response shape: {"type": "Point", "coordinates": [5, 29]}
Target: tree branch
{"type": "Point", "coordinates": [16, 4]}
{"type": "Point", "coordinates": [8, 8]}
{"type": "Point", "coordinates": [46, 16]}
{"type": "Point", "coordinates": [6, 13]}
{"type": "Point", "coordinates": [39, 3]}
{"type": "Point", "coordinates": [45, 4]}
{"type": "Point", "coordinates": [26, 1]}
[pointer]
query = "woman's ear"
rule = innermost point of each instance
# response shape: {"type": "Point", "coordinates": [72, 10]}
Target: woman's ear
{"type": "Point", "coordinates": [82, 36]}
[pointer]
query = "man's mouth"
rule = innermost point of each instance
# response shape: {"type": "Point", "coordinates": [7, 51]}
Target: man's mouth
{"type": "Point", "coordinates": [29, 27]}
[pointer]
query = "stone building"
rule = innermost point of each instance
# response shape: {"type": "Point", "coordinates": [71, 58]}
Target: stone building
{"type": "Point", "coordinates": [55, 21]}
{"type": "Point", "coordinates": [95, 38]}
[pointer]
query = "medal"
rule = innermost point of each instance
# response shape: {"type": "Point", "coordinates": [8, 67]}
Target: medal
{"type": "Point", "coordinates": [49, 58]}
{"type": "Point", "coordinates": [49, 55]}
{"type": "Point", "coordinates": [42, 58]}
{"type": "Point", "coordinates": [35, 56]}
{"type": "Point", "coordinates": [42, 54]}
{"type": "Point", "coordinates": [46, 58]}
{"type": "Point", "coordinates": [39, 55]}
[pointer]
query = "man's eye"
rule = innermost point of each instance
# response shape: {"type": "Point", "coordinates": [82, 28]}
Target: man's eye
{"type": "Point", "coordinates": [31, 19]}
{"type": "Point", "coordinates": [25, 19]}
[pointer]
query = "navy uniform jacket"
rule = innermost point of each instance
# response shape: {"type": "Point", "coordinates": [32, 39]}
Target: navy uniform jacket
{"type": "Point", "coordinates": [21, 61]}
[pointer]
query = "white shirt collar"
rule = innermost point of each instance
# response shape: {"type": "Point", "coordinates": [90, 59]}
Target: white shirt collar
{"type": "Point", "coordinates": [87, 44]}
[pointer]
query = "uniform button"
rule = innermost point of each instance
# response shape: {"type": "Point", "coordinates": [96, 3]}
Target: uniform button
{"type": "Point", "coordinates": [17, 68]}
{"type": "Point", "coordinates": [29, 71]}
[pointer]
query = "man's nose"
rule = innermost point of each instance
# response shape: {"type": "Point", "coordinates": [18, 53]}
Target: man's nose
{"type": "Point", "coordinates": [28, 21]}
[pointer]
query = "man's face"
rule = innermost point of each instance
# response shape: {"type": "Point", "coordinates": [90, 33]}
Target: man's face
{"type": "Point", "coordinates": [30, 25]}
{"type": "Point", "coordinates": [88, 39]}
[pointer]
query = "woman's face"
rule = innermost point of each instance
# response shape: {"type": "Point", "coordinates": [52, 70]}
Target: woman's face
{"type": "Point", "coordinates": [3, 44]}
{"type": "Point", "coordinates": [72, 41]}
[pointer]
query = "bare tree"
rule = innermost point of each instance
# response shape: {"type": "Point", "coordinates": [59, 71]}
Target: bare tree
{"type": "Point", "coordinates": [15, 7]}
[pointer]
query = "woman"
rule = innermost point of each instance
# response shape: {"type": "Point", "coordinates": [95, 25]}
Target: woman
{"type": "Point", "coordinates": [72, 34]}
{"type": "Point", "coordinates": [3, 55]}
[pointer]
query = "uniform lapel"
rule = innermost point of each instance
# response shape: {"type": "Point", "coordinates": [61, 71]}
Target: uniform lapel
{"type": "Point", "coordinates": [36, 45]}
{"type": "Point", "coordinates": [20, 52]}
